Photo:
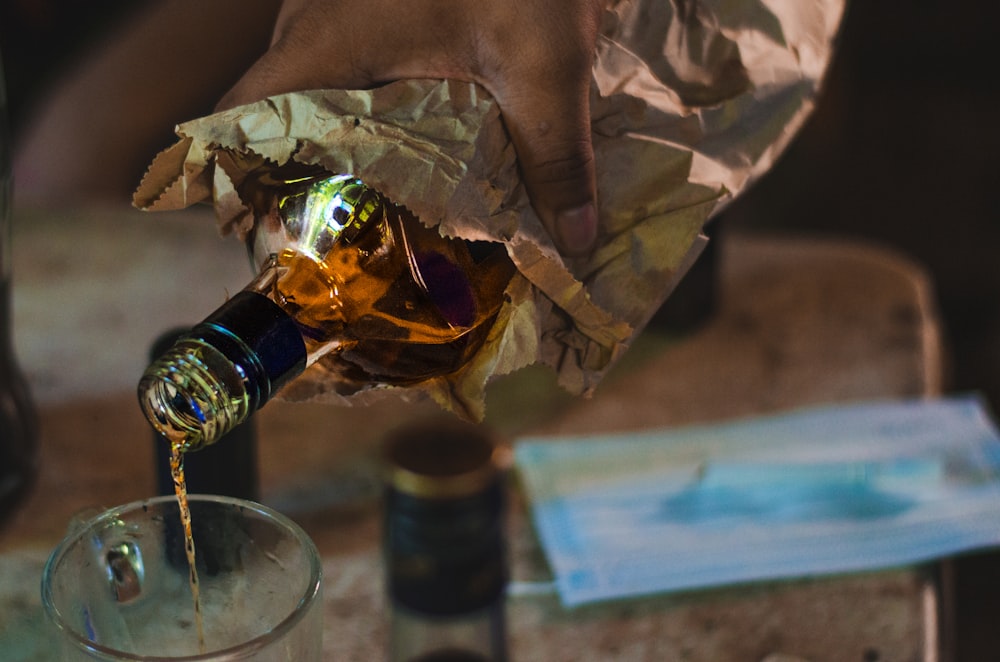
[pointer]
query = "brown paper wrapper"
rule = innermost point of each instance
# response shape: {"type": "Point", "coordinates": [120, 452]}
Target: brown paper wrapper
{"type": "Point", "coordinates": [690, 102]}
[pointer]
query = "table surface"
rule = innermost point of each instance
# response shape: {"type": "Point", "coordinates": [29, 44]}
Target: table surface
{"type": "Point", "coordinates": [800, 321]}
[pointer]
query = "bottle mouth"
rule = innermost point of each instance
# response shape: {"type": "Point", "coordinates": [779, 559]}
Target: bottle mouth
{"type": "Point", "coordinates": [193, 395]}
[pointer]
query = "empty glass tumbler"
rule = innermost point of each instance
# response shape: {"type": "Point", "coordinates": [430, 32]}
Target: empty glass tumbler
{"type": "Point", "coordinates": [118, 587]}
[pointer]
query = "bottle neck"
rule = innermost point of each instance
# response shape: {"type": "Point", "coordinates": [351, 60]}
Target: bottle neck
{"type": "Point", "coordinates": [258, 337]}
{"type": "Point", "coordinates": [225, 368]}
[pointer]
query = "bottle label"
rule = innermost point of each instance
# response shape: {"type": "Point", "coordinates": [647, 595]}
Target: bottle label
{"type": "Point", "coordinates": [445, 557]}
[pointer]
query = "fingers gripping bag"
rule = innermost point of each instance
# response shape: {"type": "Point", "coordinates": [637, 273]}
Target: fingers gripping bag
{"type": "Point", "coordinates": [691, 102]}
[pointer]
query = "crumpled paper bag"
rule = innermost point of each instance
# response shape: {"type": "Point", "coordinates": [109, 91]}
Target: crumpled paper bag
{"type": "Point", "coordinates": [691, 101]}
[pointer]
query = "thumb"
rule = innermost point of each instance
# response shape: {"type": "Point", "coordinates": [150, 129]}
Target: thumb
{"type": "Point", "coordinates": [541, 81]}
{"type": "Point", "coordinates": [557, 164]}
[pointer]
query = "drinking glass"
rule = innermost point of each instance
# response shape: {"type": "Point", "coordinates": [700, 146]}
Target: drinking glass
{"type": "Point", "coordinates": [118, 586]}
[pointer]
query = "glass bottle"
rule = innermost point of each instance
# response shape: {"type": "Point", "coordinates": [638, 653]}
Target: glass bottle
{"type": "Point", "coordinates": [346, 279]}
{"type": "Point", "coordinates": [444, 545]}
{"type": "Point", "coordinates": [18, 428]}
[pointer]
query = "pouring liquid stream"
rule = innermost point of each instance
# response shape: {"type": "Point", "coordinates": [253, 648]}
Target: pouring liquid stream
{"type": "Point", "coordinates": [180, 489]}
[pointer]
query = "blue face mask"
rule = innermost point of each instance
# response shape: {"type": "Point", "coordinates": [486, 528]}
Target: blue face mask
{"type": "Point", "coordinates": [812, 492]}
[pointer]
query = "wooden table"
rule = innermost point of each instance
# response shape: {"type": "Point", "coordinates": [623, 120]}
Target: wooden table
{"type": "Point", "coordinates": [800, 322]}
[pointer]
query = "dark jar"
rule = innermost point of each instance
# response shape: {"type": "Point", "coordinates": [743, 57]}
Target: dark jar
{"type": "Point", "coordinates": [444, 544]}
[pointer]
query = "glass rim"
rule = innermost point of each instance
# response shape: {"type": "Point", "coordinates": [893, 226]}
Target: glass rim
{"type": "Point", "coordinates": [237, 652]}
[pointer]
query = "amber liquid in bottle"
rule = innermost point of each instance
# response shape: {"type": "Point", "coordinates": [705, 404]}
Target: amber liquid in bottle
{"type": "Point", "coordinates": [384, 301]}
{"type": "Point", "coordinates": [348, 283]}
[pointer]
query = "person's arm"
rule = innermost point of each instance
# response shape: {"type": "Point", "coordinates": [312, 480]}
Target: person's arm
{"type": "Point", "coordinates": [93, 134]}
{"type": "Point", "coordinates": [533, 56]}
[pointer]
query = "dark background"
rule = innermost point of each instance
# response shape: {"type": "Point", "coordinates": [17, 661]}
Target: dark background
{"type": "Point", "coordinates": [903, 151]}
{"type": "Point", "coordinates": [40, 39]}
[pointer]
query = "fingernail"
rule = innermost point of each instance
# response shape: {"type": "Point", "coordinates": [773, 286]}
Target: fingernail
{"type": "Point", "coordinates": [576, 229]}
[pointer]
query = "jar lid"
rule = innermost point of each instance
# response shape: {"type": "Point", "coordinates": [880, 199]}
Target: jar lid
{"type": "Point", "coordinates": [443, 459]}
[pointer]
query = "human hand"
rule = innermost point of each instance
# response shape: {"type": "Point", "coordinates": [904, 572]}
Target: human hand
{"type": "Point", "coordinates": [533, 56]}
